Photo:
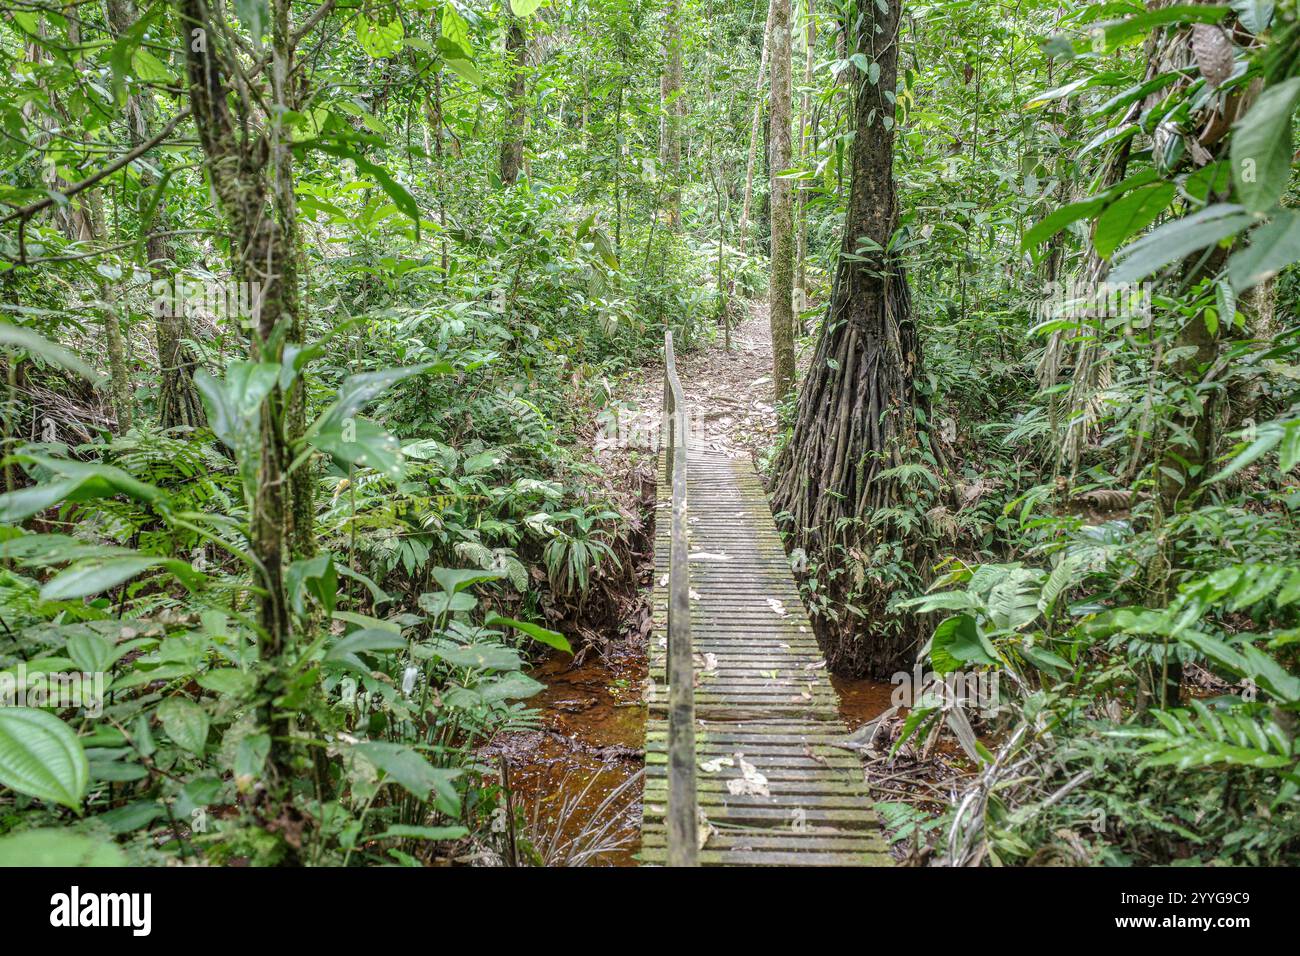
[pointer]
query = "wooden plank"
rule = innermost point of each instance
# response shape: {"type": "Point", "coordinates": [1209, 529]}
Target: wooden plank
{"type": "Point", "coordinates": [764, 693]}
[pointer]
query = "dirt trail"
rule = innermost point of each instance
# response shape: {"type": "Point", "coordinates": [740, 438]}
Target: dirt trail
{"type": "Point", "coordinates": [729, 393]}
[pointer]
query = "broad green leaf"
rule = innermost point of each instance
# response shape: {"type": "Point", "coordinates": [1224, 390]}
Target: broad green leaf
{"type": "Point", "coordinates": [536, 632]}
{"type": "Point", "coordinates": [454, 30]}
{"type": "Point", "coordinates": [957, 641]}
{"type": "Point", "coordinates": [362, 443]}
{"type": "Point", "coordinates": [92, 577]}
{"type": "Point", "coordinates": [1255, 15]}
{"type": "Point", "coordinates": [368, 640]}
{"type": "Point", "coordinates": [16, 337]}
{"type": "Point", "coordinates": [186, 723]}
{"type": "Point", "coordinates": [234, 407]}
{"type": "Point", "coordinates": [1273, 247]}
{"type": "Point", "coordinates": [380, 40]}
{"type": "Point", "coordinates": [409, 769]}
{"type": "Point", "coordinates": [1175, 240]}
{"type": "Point", "coordinates": [148, 68]}
{"type": "Point", "coordinates": [1129, 215]}
{"type": "Point", "coordinates": [316, 577]}
{"type": "Point", "coordinates": [483, 656]}
{"type": "Point", "coordinates": [58, 847]}
{"type": "Point", "coordinates": [41, 757]}
{"type": "Point", "coordinates": [406, 832]}
{"type": "Point", "coordinates": [1261, 147]}
{"type": "Point", "coordinates": [455, 580]}
{"type": "Point", "coordinates": [227, 680]}
{"type": "Point", "coordinates": [511, 686]}
{"type": "Point", "coordinates": [524, 8]}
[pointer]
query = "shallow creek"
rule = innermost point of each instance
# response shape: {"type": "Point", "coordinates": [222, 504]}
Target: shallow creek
{"type": "Point", "coordinates": [591, 744]}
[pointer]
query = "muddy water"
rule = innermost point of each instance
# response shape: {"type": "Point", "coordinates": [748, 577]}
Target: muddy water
{"type": "Point", "coordinates": [590, 745]}
{"type": "Point", "coordinates": [861, 700]}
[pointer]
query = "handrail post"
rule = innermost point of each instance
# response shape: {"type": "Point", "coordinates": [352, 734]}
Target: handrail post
{"type": "Point", "coordinates": [681, 821]}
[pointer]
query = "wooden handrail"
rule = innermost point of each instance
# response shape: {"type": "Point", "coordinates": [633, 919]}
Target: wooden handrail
{"type": "Point", "coordinates": [683, 848]}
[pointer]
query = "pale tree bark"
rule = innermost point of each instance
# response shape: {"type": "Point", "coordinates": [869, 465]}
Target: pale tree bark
{"type": "Point", "coordinates": [807, 143]}
{"type": "Point", "coordinates": [178, 399]}
{"type": "Point", "coordinates": [742, 230]}
{"type": "Point", "coordinates": [856, 415]}
{"type": "Point", "coordinates": [781, 286]}
{"type": "Point", "coordinates": [512, 144]}
{"type": "Point", "coordinates": [673, 105]}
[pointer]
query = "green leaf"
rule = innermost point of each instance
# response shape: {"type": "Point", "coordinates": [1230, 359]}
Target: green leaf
{"type": "Point", "coordinates": [1268, 437]}
{"type": "Point", "coordinates": [92, 577]}
{"type": "Point", "coordinates": [524, 8]}
{"type": "Point", "coordinates": [77, 481]}
{"type": "Point", "coordinates": [227, 680]}
{"type": "Point", "coordinates": [395, 190]}
{"type": "Point", "coordinates": [455, 580]}
{"type": "Point", "coordinates": [403, 831]}
{"type": "Point", "coordinates": [380, 40]}
{"type": "Point", "coordinates": [91, 653]}
{"type": "Point", "coordinates": [55, 847]}
{"type": "Point", "coordinates": [454, 29]}
{"type": "Point", "coordinates": [255, 15]}
{"type": "Point", "coordinates": [16, 337]}
{"type": "Point", "coordinates": [148, 68]}
{"type": "Point", "coordinates": [1261, 147]}
{"type": "Point", "coordinates": [1273, 247]}
{"type": "Point", "coordinates": [540, 634]}
{"type": "Point", "coordinates": [361, 443]}
{"type": "Point", "coordinates": [371, 640]}
{"type": "Point", "coordinates": [415, 774]}
{"type": "Point", "coordinates": [234, 407]}
{"type": "Point", "coordinates": [1129, 215]}
{"type": "Point", "coordinates": [1177, 239]}
{"type": "Point", "coordinates": [186, 723]}
{"type": "Point", "coordinates": [1058, 219]}
{"type": "Point", "coordinates": [482, 656]}
{"type": "Point", "coordinates": [312, 576]}
{"type": "Point", "coordinates": [466, 70]}
{"type": "Point", "coordinates": [957, 641]}
{"type": "Point", "coordinates": [511, 686]}
{"type": "Point", "coordinates": [41, 757]}
{"type": "Point", "coordinates": [1255, 15]}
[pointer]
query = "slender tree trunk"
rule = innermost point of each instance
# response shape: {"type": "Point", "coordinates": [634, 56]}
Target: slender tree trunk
{"type": "Point", "coordinates": [755, 124]}
{"type": "Point", "coordinates": [512, 146]}
{"type": "Point", "coordinates": [673, 103]}
{"type": "Point", "coordinates": [856, 413]}
{"type": "Point", "coordinates": [178, 399]}
{"type": "Point", "coordinates": [806, 146]}
{"type": "Point", "coordinates": [781, 286]}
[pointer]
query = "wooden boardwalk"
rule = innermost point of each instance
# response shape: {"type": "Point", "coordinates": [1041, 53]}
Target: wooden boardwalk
{"type": "Point", "coordinates": [772, 789]}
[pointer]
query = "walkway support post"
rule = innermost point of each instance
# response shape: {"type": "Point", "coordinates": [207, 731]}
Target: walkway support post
{"type": "Point", "coordinates": [682, 825]}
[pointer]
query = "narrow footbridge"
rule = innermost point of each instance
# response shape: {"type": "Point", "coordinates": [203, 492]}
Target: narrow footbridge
{"type": "Point", "coordinates": [741, 763]}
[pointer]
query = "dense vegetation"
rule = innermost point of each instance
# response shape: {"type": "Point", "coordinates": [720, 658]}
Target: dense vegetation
{"type": "Point", "coordinates": [309, 311]}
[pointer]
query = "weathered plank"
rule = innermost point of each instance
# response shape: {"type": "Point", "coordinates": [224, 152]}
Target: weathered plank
{"type": "Point", "coordinates": [771, 786]}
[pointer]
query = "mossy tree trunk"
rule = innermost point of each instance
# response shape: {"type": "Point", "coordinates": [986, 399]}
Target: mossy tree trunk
{"type": "Point", "coordinates": [856, 415]}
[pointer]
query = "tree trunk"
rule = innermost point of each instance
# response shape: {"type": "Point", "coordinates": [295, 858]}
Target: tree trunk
{"type": "Point", "coordinates": [742, 230]}
{"type": "Point", "coordinates": [781, 286]}
{"type": "Point", "coordinates": [512, 146]}
{"type": "Point", "coordinates": [178, 399]}
{"type": "Point", "coordinates": [807, 144]}
{"type": "Point", "coordinates": [856, 413]}
{"type": "Point", "coordinates": [673, 110]}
